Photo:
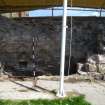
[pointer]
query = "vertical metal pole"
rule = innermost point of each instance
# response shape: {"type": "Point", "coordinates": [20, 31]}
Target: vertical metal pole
{"type": "Point", "coordinates": [63, 46]}
{"type": "Point", "coordinates": [52, 11]}
{"type": "Point", "coordinates": [71, 35]}
{"type": "Point", "coordinates": [100, 12]}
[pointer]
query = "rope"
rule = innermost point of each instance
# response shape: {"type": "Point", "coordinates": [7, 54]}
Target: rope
{"type": "Point", "coordinates": [33, 52]}
{"type": "Point", "coordinates": [71, 34]}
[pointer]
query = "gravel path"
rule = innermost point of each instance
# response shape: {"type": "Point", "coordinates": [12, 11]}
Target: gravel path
{"type": "Point", "coordinates": [94, 92]}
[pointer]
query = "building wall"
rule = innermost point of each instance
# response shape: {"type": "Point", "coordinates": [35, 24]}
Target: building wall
{"type": "Point", "coordinates": [16, 14]}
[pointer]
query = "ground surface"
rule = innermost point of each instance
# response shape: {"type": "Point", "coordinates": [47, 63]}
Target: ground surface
{"type": "Point", "coordinates": [94, 92]}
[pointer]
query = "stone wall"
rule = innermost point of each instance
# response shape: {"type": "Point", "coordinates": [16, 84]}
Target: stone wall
{"type": "Point", "coordinates": [16, 40]}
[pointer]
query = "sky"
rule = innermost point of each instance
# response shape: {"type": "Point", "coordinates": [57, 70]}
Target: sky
{"type": "Point", "coordinates": [46, 12]}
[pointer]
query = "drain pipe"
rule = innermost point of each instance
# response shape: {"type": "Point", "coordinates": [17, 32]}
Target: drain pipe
{"type": "Point", "coordinates": [61, 92]}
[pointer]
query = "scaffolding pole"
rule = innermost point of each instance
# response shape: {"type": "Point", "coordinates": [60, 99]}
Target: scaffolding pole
{"type": "Point", "coordinates": [61, 92]}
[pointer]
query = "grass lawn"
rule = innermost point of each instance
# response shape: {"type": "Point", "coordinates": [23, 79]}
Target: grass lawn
{"type": "Point", "coordinates": [67, 101]}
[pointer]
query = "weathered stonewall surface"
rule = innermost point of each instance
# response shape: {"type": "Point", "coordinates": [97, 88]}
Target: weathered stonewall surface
{"type": "Point", "coordinates": [16, 40]}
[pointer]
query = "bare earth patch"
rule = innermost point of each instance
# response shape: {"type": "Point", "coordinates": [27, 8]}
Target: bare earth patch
{"type": "Point", "coordinates": [94, 92]}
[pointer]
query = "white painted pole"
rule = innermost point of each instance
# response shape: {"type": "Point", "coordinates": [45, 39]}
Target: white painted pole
{"type": "Point", "coordinates": [63, 46]}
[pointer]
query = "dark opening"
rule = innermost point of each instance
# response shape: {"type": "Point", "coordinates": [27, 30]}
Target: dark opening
{"type": "Point", "coordinates": [73, 66]}
{"type": "Point", "coordinates": [23, 64]}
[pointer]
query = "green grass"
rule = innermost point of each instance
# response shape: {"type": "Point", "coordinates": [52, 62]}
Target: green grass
{"type": "Point", "coordinates": [67, 101]}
